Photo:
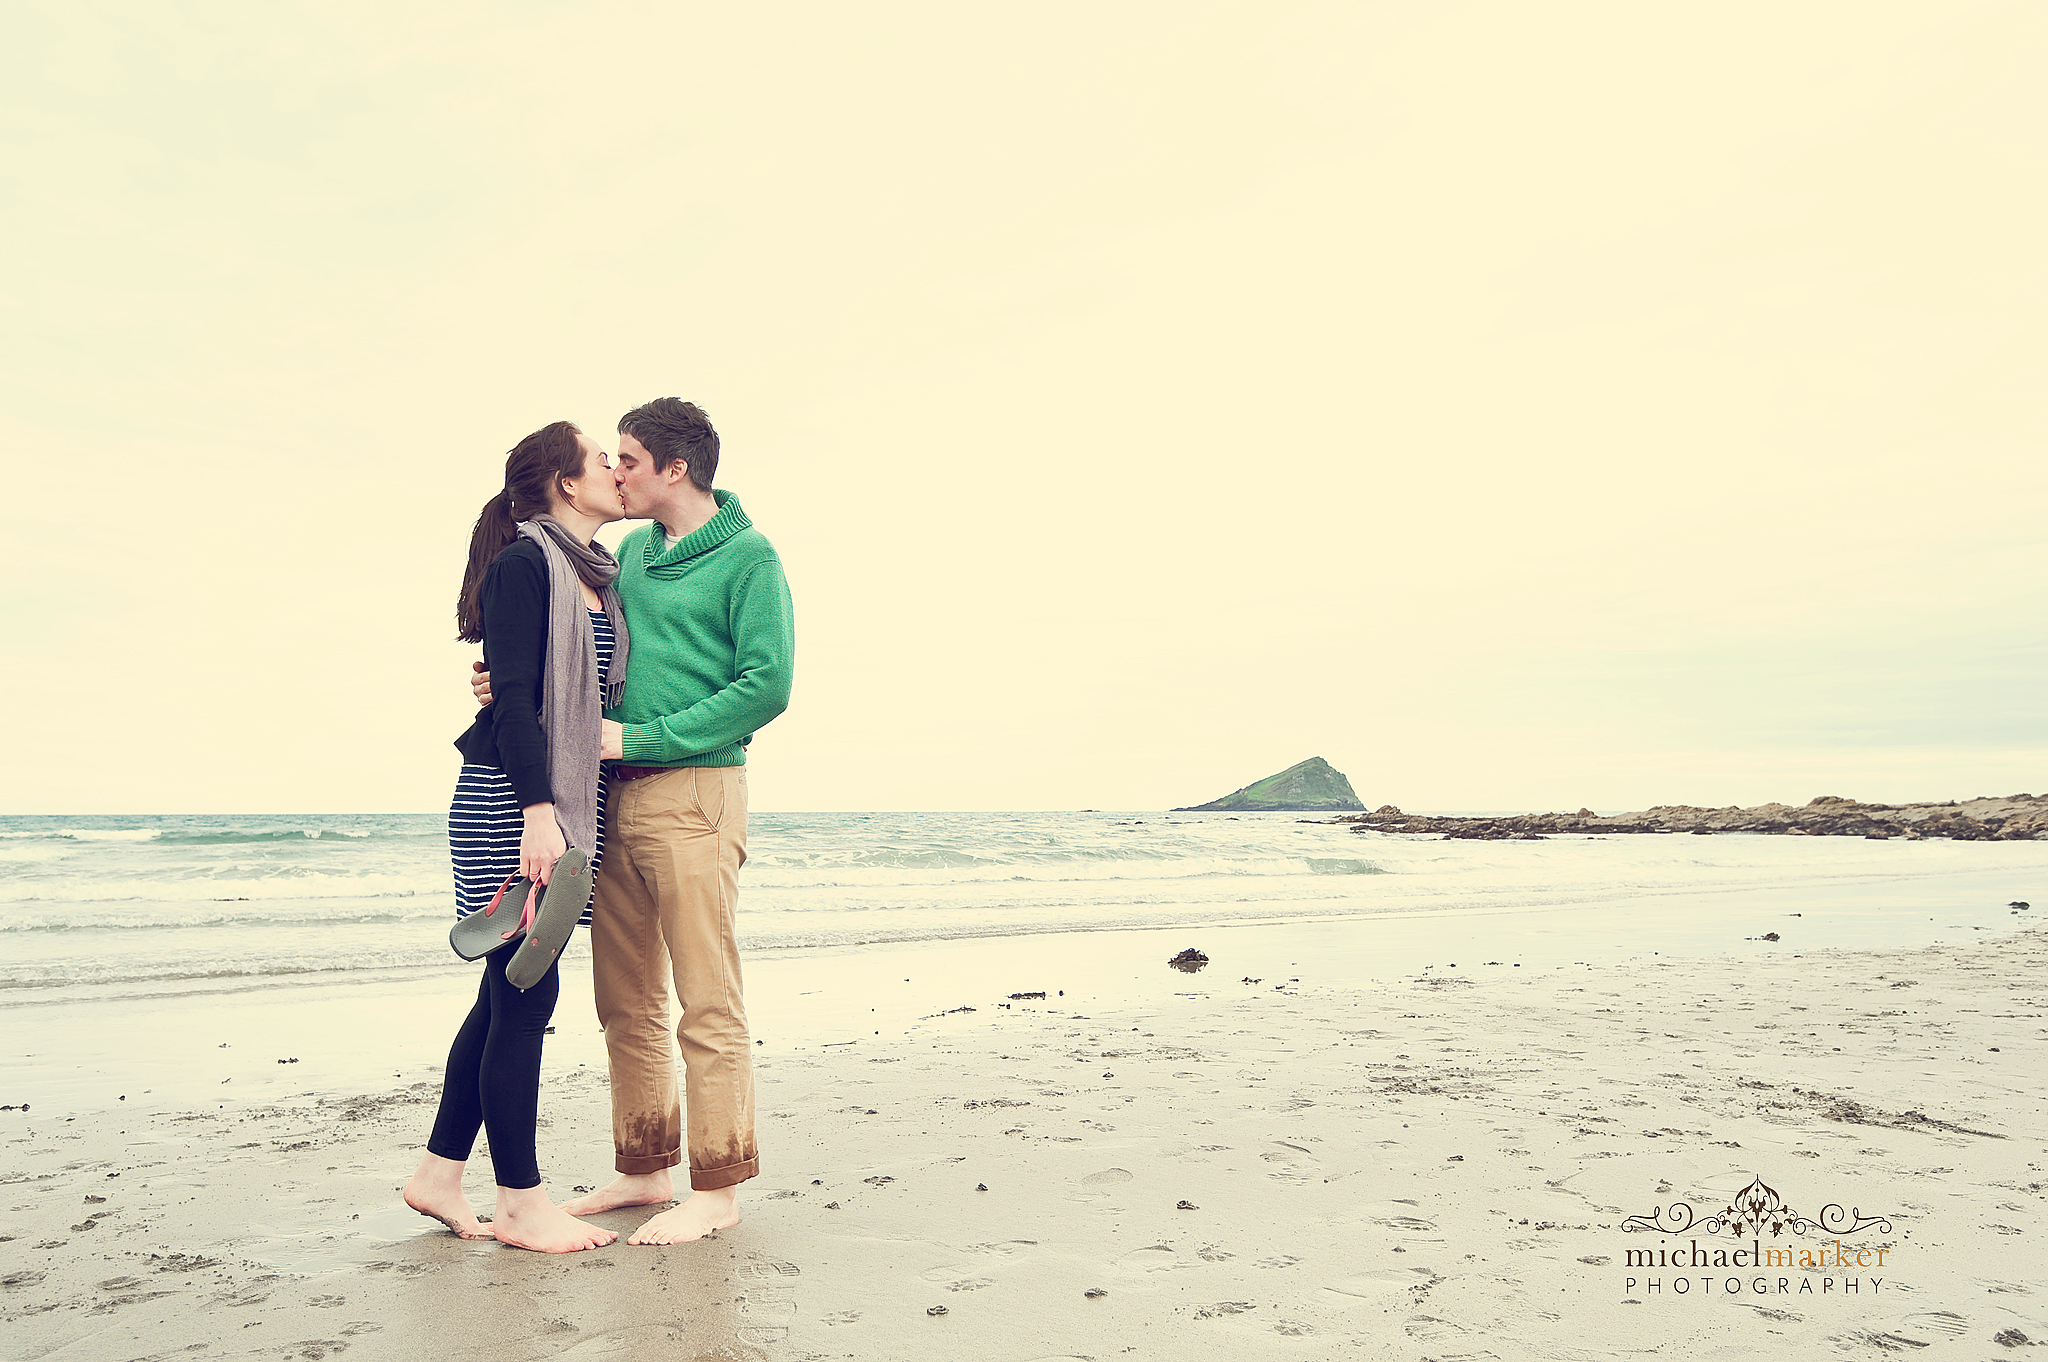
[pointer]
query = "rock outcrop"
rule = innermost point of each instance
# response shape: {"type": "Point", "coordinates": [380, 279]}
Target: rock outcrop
{"type": "Point", "coordinates": [2012, 818]}
{"type": "Point", "coordinates": [1312, 786]}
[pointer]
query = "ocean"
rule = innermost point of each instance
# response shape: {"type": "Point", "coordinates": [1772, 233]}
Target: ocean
{"type": "Point", "coordinates": [163, 961]}
{"type": "Point", "coordinates": [124, 906]}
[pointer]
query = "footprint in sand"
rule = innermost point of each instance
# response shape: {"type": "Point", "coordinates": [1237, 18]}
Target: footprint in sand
{"type": "Point", "coordinates": [644, 1340]}
{"type": "Point", "coordinates": [1378, 1284]}
{"type": "Point", "coordinates": [768, 1299]}
{"type": "Point", "coordinates": [1097, 1185]}
{"type": "Point", "coordinates": [1009, 1248]}
{"type": "Point", "coordinates": [950, 1278]}
{"type": "Point", "coordinates": [1429, 1329]}
{"type": "Point", "coordinates": [1936, 1322]}
{"type": "Point", "coordinates": [1394, 1215]}
{"type": "Point", "coordinates": [767, 1269]}
{"type": "Point", "coordinates": [1154, 1258]}
{"type": "Point", "coordinates": [1926, 1325]}
{"type": "Point", "coordinates": [1224, 1308]}
{"type": "Point", "coordinates": [1292, 1163]}
{"type": "Point", "coordinates": [232, 1298]}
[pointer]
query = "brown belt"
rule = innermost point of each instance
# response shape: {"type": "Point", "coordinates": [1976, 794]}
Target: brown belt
{"type": "Point", "coordinates": [623, 772]}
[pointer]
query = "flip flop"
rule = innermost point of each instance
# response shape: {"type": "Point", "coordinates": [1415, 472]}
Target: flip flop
{"type": "Point", "coordinates": [561, 905]}
{"type": "Point", "coordinates": [477, 935]}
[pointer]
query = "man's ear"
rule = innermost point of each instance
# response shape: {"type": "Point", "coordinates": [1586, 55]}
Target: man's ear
{"type": "Point", "coordinates": [677, 471]}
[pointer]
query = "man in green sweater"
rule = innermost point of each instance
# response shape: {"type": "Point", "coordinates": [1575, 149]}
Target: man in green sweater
{"type": "Point", "coordinates": [713, 643]}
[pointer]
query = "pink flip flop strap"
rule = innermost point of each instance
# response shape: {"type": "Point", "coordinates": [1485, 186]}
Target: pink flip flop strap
{"type": "Point", "coordinates": [498, 897]}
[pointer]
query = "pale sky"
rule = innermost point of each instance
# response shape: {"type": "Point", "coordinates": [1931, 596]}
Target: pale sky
{"type": "Point", "coordinates": [1519, 405]}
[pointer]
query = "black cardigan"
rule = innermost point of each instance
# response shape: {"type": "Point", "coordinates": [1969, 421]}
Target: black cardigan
{"type": "Point", "coordinates": [515, 614]}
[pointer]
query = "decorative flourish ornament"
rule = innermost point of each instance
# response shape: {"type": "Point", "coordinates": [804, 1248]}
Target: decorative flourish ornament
{"type": "Point", "coordinates": [1756, 1210]}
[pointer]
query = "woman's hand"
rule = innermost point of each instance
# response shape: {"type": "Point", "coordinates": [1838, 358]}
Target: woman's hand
{"type": "Point", "coordinates": [480, 684]}
{"type": "Point", "coordinates": [542, 844]}
{"type": "Point", "coordinates": [611, 742]}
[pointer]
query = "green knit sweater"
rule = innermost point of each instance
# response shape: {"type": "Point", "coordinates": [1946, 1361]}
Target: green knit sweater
{"type": "Point", "coordinates": [713, 637]}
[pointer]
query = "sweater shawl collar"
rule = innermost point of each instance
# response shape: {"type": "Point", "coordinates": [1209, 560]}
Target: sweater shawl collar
{"type": "Point", "coordinates": [729, 521]}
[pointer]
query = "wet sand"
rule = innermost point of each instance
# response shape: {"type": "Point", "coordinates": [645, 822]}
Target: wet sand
{"type": "Point", "coordinates": [1242, 1166]}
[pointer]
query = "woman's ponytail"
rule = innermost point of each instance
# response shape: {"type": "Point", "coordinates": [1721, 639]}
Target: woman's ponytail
{"type": "Point", "coordinates": [535, 465]}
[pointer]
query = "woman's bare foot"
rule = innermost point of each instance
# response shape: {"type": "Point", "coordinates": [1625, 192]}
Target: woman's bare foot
{"type": "Point", "coordinates": [528, 1219]}
{"type": "Point", "coordinates": [436, 1191]}
{"type": "Point", "coordinates": [695, 1218]}
{"type": "Point", "coordinates": [628, 1189]}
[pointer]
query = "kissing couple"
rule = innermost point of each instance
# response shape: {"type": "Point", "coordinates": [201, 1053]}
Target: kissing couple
{"type": "Point", "coordinates": [620, 694]}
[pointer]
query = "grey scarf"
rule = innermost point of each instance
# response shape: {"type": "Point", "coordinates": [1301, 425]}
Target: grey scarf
{"type": "Point", "coordinates": [570, 707]}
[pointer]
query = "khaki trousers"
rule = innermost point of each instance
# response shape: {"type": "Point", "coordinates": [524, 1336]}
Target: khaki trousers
{"type": "Point", "coordinates": [666, 895]}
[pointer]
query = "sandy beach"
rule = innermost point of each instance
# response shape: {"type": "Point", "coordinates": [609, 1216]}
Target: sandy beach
{"type": "Point", "coordinates": [1434, 1167]}
{"type": "Point", "coordinates": [1506, 538]}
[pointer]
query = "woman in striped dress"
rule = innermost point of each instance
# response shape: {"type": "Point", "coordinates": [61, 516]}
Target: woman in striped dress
{"type": "Point", "coordinates": [538, 595]}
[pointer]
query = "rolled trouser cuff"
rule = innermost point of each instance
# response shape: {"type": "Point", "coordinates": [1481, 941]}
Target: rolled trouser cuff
{"type": "Point", "coordinates": [646, 1163]}
{"type": "Point", "coordinates": [732, 1175]}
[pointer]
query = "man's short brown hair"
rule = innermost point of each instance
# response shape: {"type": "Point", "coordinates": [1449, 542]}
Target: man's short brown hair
{"type": "Point", "coordinates": [669, 428]}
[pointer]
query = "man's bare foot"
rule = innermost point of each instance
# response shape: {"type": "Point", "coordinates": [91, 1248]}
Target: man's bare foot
{"type": "Point", "coordinates": [435, 1191]}
{"type": "Point", "coordinates": [628, 1189]}
{"type": "Point", "coordinates": [528, 1219]}
{"type": "Point", "coordinates": [695, 1218]}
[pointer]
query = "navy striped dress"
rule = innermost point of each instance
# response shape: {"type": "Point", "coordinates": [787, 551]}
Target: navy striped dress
{"type": "Point", "coordinates": [484, 821]}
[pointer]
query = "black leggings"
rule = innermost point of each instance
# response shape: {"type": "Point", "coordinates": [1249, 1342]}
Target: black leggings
{"type": "Point", "coordinates": [493, 1078]}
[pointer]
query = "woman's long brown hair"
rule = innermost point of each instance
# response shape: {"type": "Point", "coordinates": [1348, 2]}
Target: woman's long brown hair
{"type": "Point", "coordinates": [538, 462]}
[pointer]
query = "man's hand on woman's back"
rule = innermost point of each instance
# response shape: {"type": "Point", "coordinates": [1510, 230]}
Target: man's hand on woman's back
{"type": "Point", "coordinates": [610, 735]}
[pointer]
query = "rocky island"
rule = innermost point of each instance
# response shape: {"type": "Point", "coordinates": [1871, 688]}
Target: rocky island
{"type": "Point", "coordinates": [1312, 786]}
{"type": "Point", "coordinates": [2009, 818]}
